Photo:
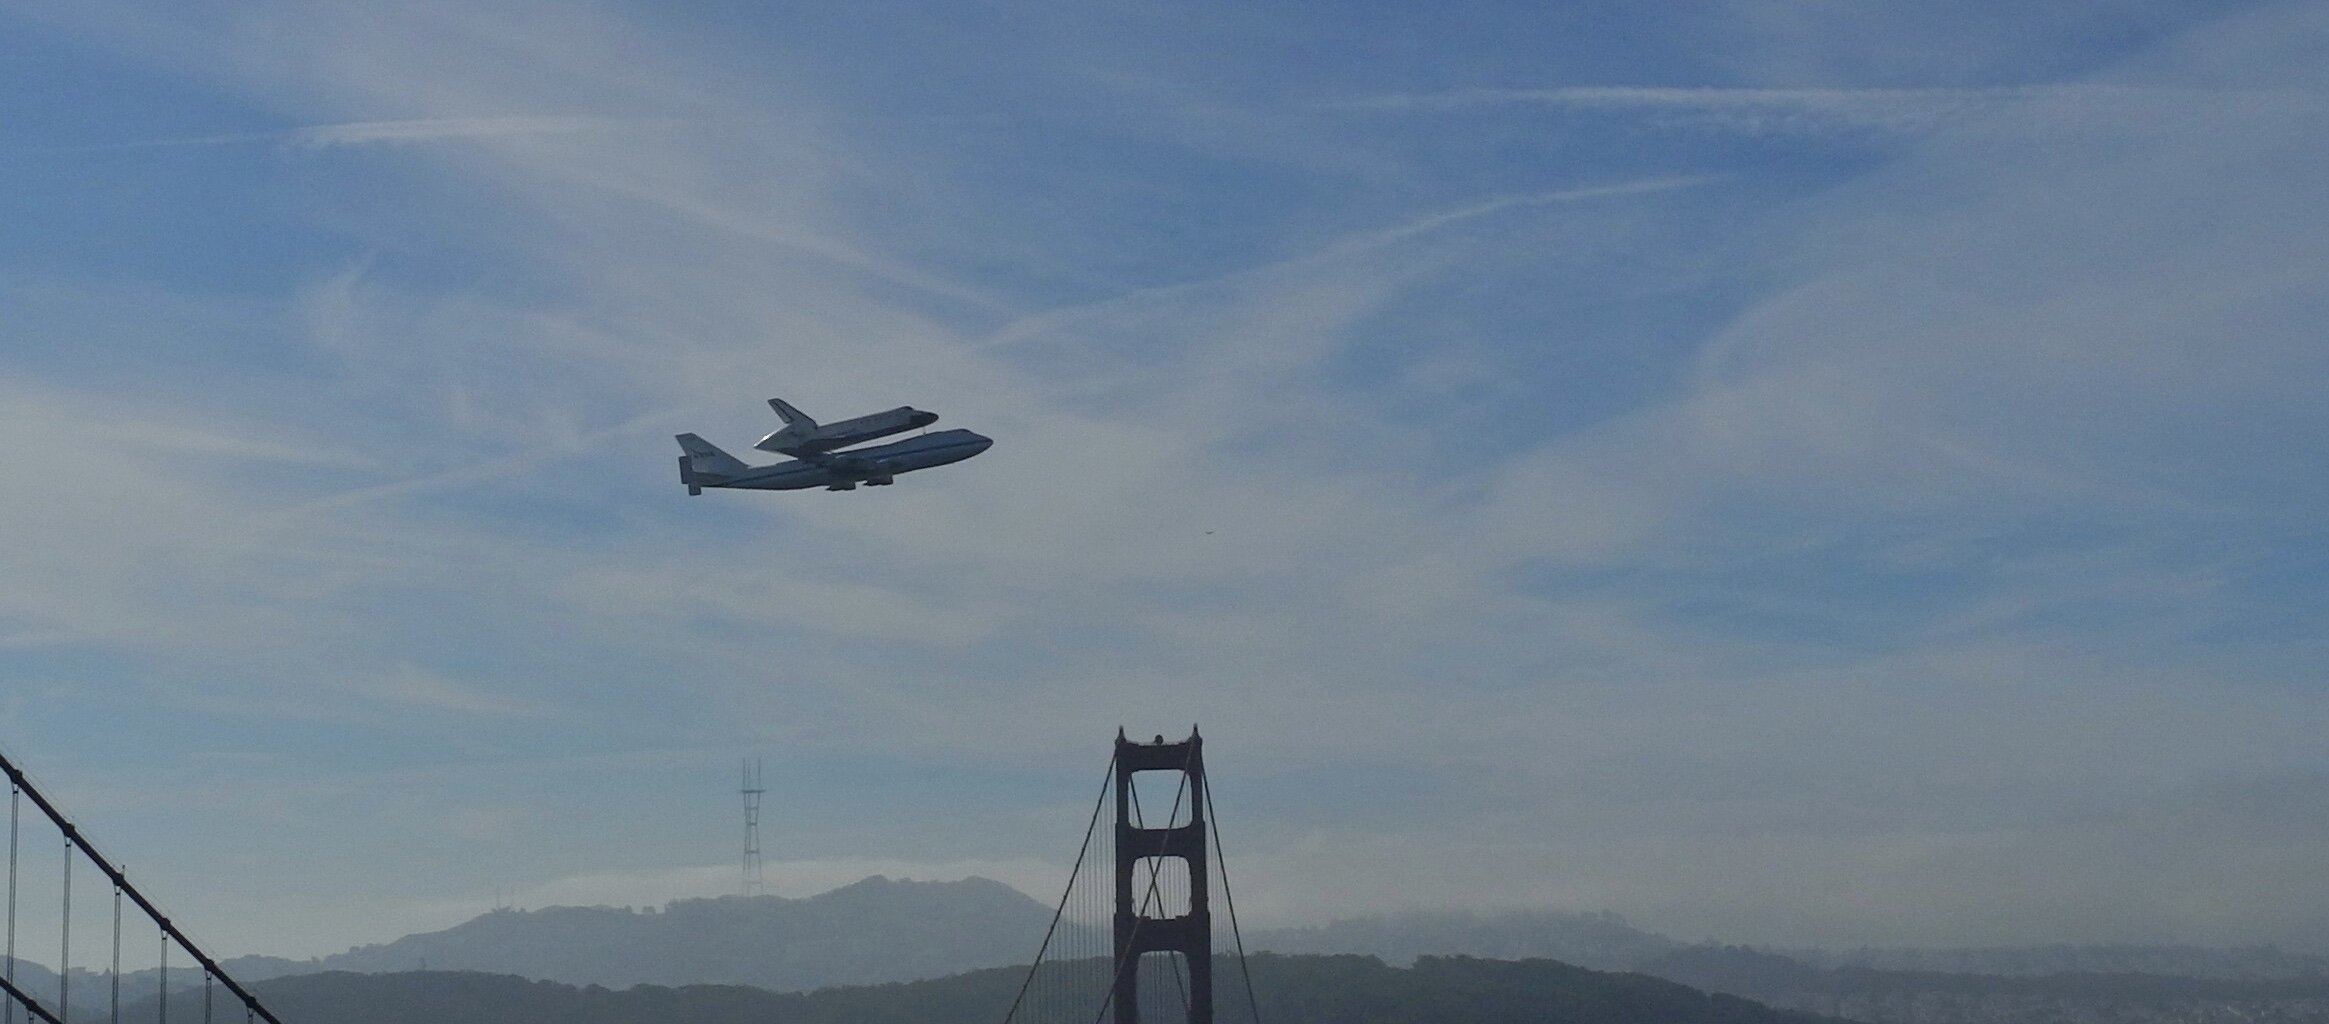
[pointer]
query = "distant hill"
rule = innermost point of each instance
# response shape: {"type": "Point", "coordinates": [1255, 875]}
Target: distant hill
{"type": "Point", "coordinates": [2184, 961]}
{"type": "Point", "coordinates": [2004, 985]}
{"type": "Point", "coordinates": [90, 988]}
{"type": "Point", "coordinates": [1291, 990]}
{"type": "Point", "coordinates": [884, 930]}
{"type": "Point", "coordinates": [1600, 941]}
{"type": "Point", "coordinates": [876, 930]}
{"type": "Point", "coordinates": [1935, 997]}
{"type": "Point", "coordinates": [1605, 941]}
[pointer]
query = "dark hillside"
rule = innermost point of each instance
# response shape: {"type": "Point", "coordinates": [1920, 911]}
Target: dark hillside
{"type": "Point", "coordinates": [1934, 997]}
{"type": "Point", "coordinates": [1292, 990]}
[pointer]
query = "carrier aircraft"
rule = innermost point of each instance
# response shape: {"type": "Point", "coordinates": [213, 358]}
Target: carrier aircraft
{"type": "Point", "coordinates": [821, 456]}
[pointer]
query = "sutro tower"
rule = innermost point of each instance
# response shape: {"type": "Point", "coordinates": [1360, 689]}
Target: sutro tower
{"type": "Point", "coordinates": [752, 791]}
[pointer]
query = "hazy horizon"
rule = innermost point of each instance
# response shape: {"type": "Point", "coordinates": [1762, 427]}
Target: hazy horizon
{"type": "Point", "coordinates": [1384, 926]}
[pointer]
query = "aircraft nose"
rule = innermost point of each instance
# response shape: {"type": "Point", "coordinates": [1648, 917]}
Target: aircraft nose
{"type": "Point", "coordinates": [922, 419]}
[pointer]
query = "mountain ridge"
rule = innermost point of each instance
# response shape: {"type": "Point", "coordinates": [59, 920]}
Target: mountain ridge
{"type": "Point", "coordinates": [883, 930]}
{"type": "Point", "coordinates": [1292, 990]}
{"type": "Point", "coordinates": [871, 931]}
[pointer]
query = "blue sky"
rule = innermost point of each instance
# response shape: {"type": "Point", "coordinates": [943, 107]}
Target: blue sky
{"type": "Point", "coordinates": [1795, 472]}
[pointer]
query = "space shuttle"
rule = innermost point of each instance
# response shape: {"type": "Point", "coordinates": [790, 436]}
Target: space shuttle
{"type": "Point", "coordinates": [801, 436]}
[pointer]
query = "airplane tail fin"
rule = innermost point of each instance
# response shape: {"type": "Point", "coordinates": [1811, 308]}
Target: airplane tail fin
{"type": "Point", "coordinates": [705, 464]}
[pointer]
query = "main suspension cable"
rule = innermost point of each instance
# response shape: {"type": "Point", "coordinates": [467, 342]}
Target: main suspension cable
{"type": "Point", "coordinates": [1072, 875]}
{"type": "Point", "coordinates": [1213, 825]}
{"type": "Point", "coordinates": [75, 840]}
{"type": "Point", "coordinates": [32, 1008]}
{"type": "Point", "coordinates": [1154, 899]}
{"type": "Point", "coordinates": [1164, 844]}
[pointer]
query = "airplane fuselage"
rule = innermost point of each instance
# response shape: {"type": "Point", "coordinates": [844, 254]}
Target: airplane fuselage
{"type": "Point", "coordinates": [842, 471]}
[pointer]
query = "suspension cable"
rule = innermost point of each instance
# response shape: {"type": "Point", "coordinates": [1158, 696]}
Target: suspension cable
{"type": "Point", "coordinates": [1213, 825]}
{"type": "Point", "coordinates": [74, 839]}
{"type": "Point", "coordinates": [1155, 899]}
{"type": "Point", "coordinates": [1072, 875]}
{"type": "Point", "coordinates": [32, 1008]}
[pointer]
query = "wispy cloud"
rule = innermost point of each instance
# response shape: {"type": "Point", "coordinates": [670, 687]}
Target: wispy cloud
{"type": "Point", "coordinates": [410, 686]}
{"type": "Point", "coordinates": [1434, 222]}
{"type": "Point", "coordinates": [409, 131]}
{"type": "Point", "coordinates": [441, 129]}
{"type": "Point", "coordinates": [1344, 248]}
{"type": "Point", "coordinates": [1813, 111]}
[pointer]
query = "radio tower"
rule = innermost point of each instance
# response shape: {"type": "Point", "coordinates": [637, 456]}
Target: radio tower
{"type": "Point", "coordinates": [751, 791]}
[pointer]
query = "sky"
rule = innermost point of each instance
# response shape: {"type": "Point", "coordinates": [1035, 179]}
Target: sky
{"type": "Point", "coordinates": [1814, 472]}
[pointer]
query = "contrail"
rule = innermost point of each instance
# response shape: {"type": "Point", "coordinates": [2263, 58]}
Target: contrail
{"type": "Point", "coordinates": [1767, 111]}
{"type": "Point", "coordinates": [1345, 247]}
{"type": "Point", "coordinates": [411, 130]}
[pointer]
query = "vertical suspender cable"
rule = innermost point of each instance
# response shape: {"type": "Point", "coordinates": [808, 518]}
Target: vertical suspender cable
{"type": "Point", "coordinates": [15, 816]}
{"type": "Point", "coordinates": [162, 1011]}
{"type": "Point", "coordinates": [206, 976]}
{"type": "Point", "coordinates": [65, 959]}
{"type": "Point", "coordinates": [116, 1003]}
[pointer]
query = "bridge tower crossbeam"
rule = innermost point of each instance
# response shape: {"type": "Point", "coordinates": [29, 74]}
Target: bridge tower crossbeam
{"type": "Point", "coordinates": [1137, 932]}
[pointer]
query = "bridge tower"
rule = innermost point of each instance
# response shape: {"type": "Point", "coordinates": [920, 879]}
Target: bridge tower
{"type": "Point", "coordinates": [1191, 934]}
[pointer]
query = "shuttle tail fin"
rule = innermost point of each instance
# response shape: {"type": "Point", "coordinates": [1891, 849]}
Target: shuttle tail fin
{"type": "Point", "coordinates": [797, 430]}
{"type": "Point", "coordinates": [792, 417]}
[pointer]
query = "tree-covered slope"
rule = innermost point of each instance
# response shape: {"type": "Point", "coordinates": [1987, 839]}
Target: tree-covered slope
{"type": "Point", "coordinates": [1289, 990]}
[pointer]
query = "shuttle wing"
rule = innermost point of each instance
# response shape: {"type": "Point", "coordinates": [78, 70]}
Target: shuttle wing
{"type": "Point", "coordinates": [802, 436]}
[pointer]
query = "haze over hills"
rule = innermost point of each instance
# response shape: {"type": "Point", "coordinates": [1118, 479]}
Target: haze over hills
{"type": "Point", "coordinates": [885, 930]}
{"type": "Point", "coordinates": [882, 930]}
{"type": "Point", "coordinates": [872, 931]}
{"type": "Point", "coordinates": [1605, 941]}
{"type": "Point", "coordinates": [1602, 941]}
{"type": "Point", "coordinates": [717, 958]}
